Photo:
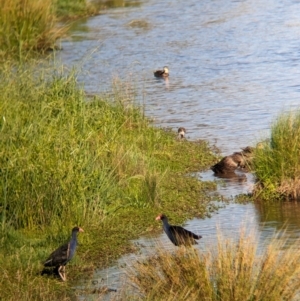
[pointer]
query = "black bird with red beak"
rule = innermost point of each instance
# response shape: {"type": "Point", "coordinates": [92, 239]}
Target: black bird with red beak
{"type": "Point", "coordinates": [177, 234]}
{"type": "Point", "coordinates": [61, 256]}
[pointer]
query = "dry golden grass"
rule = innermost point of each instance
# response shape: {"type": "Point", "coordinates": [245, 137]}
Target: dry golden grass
{"type": "Point", "coordinates": [231, 271]}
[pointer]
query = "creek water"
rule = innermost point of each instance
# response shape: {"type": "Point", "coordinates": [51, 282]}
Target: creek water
{"type": "Point", "coordinates": [234, 67]}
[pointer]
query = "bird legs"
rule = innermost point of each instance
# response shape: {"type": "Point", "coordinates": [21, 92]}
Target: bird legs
{"type": "Point", "coordinates": [62, 273]}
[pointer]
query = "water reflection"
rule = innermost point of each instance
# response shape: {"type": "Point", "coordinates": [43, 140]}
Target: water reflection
{"type": "Point", "coordinates": [230, 186]}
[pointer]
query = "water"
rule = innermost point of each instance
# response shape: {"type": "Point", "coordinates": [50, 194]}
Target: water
{"type": "Point", "coordinates": [234, 66]}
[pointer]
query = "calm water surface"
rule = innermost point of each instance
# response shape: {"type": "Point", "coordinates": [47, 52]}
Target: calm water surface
{"type": "Point", "coordinates": [234, 66]}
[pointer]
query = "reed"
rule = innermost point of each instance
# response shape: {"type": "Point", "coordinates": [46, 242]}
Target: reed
{"type": "Point", "coordinates": [234, 270]}
{"type": "Point", "coordinates": [34, 25]}
{"type": "Point", "coordinates": [277, 161]}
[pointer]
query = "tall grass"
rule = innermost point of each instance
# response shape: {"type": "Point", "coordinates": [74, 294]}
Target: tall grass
{"type": "Point", "coordinates": [235, 270]}
{"type": "Point", "coordinates": [34, 26]}
{"type": "Point", "coordinates": [61, 155]}
{"type": "Point", "coordinates": [27, 26]}
{"type": "Point", "coordinates": [277, 161]}
{"type": "Point", "coordinates": [65, 159]}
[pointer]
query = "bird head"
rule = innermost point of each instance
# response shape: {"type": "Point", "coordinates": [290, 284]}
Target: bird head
{"type": "Point", "coordinates": [166, 70]}
{"type": "Point", "coordinates": [77, 229]}
{"type": "Point", "coordinates": [160, 217]}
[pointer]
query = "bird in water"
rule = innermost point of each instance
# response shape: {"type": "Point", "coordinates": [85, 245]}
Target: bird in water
{"type": "Point", "coordinates": [181, 132]}
{"type": "Point", "coordinates": [236, 160]}
{"type": "Point", "coordinates": [162, 73]}
{"type": "Point", "coordinates": [177, 234]}
{"type": "Point", "coordinates": [61, 256]}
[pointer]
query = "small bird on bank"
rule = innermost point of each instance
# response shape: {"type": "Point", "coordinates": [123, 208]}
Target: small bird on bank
{"type": "Point", "coordinates": [61, 256]}
{"type": "Point", "coordinates": [181, 132]}
{"type": "Point", "coordinates": [162, 73]}
{"type": "Point", "coordinates": [177, 234]}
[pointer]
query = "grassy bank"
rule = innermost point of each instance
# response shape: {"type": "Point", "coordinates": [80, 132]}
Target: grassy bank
{"type": "Point", "coordinates": [277, 160]}
{"type": "Point", "coordinates": [26, 27]}
{"type": "Point", "coordinates": [33, 26]}
{"type": "Point", "coordinates": [67, 160]}
{"type": "Point", "coordinates": [232, 270]}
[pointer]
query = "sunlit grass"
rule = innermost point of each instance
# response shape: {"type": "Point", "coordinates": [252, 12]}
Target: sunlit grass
{"type": "Point", "coordinates": [27, 26]}
{"type": "Point", "coordinates": [277, 160]}
{"type": "Point", "coordinates": [66, 160]}
{"type": "Point", "coordinates": [232, 270]}
{"type": "Point", "coordinates": [65, 157]}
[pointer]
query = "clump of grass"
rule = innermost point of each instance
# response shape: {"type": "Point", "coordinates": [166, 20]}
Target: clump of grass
{"type": "Point", "coordinates": [277, 161]}
{"type": "Point", "coordinates": [235, 270]}
{"type": "Point", "coordinates": [27, 26]}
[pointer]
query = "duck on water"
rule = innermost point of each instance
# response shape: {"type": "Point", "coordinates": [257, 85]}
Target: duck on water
{"type": "Point", "coordinates": [162, 73]}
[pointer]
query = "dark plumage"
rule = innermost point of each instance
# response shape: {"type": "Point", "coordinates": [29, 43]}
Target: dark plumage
{"type": "Point", "coordinates": [178, 235]}
{"type": "Point", "coordinates": [237, 160]}
{"type": "Point", "coordinates": [181, 132]}
{"type": "Point", "coordinates": [228, 164]}
{"type": "Point", "coordinates": [61, 256]}
{"type": "Point", "coordinates": [162, 73]}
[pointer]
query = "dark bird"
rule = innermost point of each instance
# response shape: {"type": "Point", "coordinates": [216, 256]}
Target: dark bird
{"type": "Point", "coordinates": [61, 256]}
{"type": "Point", "coordinates": [236, 160]}
{"type": "Point", "coordinates": [228, 164]}
{"type": "Point", "coordinates": [162, 73]}
{"type": "Point", "coordinates": [181, 132]}
{"type": "Point", "coordinates": [178, 235]}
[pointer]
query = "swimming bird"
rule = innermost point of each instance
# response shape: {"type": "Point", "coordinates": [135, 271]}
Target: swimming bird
{"type": "Point", "coordinates": [181, 132]}
{"type": "Point", "coordinates": [177, 234]}
{"type": "Point", "coordinates": [236, 160]}
{"type": "Point", "coordinates": [228, 164]}
{"type": "Point", "coordinates": [61, 256]}
{"type": "Point", "coordinates": [162, 73]}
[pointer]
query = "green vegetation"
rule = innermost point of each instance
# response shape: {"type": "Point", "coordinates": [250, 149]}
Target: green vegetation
{"type": "Point", "coordinates": [235, 270]}
{"type": "Point", "coordinates": [67, 160]}
{"type": "Point", "coordinates": [277, 161]}
{"type": "Point", "coordinates": [27, 26]}
{"type": "Point", "coordinates": [31, 26]}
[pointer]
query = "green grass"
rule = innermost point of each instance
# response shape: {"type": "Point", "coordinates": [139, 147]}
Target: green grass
{"type": "Point", "coordinates": [67, 160]}
{"type": "Point", "coordinates": [30, 27]}
{"type": "Point", "coordinates": [26, 27]}
{"type": "Point", "coordinates": [234, 270]}
{"type": "Point", "coordinates": [277, 160]}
